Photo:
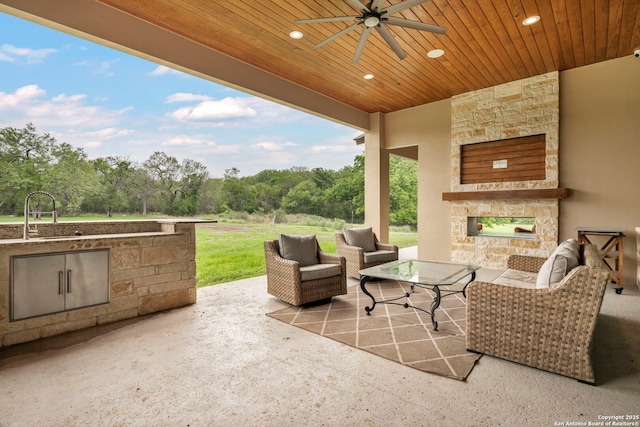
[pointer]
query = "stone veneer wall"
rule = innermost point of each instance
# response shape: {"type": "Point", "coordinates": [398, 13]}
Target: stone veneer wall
{"type": "Point", "coordinates": [147, 274]}
{"type": "Point", "coordinates": [521, 108]}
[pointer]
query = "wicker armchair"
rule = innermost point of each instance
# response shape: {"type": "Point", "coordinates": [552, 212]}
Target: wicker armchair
{"type": "Point", "coordinates": [285, 278]}
{"type": "Point", "coordinates": [550, 329]}
{"type": "Point", "coordinates": [355, 255]}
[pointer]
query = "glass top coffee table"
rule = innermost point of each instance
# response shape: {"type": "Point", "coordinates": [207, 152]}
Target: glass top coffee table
{"type": "Point", "coordinates": [424, 274]}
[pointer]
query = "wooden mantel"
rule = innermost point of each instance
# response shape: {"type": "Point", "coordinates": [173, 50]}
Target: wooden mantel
{"type": "Point", "coordinates": [538, 193]}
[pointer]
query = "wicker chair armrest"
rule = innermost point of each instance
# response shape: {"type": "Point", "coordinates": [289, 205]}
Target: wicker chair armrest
{"type": "Point", "coordinates": [354, 255]}
{"type": "Point", "coordinates": [525, 263]}
{"type": "Point", "coordinates": [280, 266]}
{"type": "Point", "coordinates": [326, 258]}
{"type": "Point", "coordinates": [352, 250]}
{"type": "Point", "coordinates": [387, 247]}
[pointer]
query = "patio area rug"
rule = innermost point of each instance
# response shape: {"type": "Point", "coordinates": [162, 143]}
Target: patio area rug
{"type": "Point", "coordinates": [403, 335]}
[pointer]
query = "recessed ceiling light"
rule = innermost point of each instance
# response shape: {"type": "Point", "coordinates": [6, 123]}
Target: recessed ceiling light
{"type": "Point", "coordinates": [296, 34]}
{"type": "Point", "coordinates": [531, 20]}
{"type": "Point", "coordinates": [435, 53]}
{"type": "Point", "coordinates": [368, 76]}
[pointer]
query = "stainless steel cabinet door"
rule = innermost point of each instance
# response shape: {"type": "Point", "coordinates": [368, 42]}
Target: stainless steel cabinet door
{"type": "Point", "coordinates": [38, 286]}
{"type": "Point", "coordinates": [87, 279]}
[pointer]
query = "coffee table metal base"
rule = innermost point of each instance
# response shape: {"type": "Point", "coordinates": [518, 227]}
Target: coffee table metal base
{"type": "Point", "coordinates": [434, 305]}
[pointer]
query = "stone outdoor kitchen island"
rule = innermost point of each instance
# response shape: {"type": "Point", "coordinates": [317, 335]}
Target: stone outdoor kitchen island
{"type": "Point", "coordinates": [143, 266]}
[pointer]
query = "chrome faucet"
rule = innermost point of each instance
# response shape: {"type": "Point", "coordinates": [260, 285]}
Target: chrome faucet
{"type": "Point", "coordinates": [54, 213]}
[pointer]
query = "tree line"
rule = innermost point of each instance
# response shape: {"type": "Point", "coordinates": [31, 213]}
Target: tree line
{"type": "Point", "coordinates": [161, 184]}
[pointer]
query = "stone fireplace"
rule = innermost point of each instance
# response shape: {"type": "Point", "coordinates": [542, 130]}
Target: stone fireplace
{"type": "Point", "coordinates": [517, 109]}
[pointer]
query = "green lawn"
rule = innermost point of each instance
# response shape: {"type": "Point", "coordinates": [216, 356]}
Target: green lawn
{"type": "Point", "coordinates": [228, 252]}
{"type": "Point", "coordinates": [503, 229]}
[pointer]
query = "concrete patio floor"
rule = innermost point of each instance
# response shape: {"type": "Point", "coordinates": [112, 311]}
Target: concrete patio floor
{"type": "Point", "coordinates": [222, 362]}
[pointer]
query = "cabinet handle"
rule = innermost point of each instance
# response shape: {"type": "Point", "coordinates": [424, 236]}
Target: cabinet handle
{"type": "Point", "coordinates": [60, 282]}
{"type": "Point", "coordinates": [68, 281]}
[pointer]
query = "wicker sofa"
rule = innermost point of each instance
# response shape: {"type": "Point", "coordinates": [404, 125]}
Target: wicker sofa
{"type": "Point", "coordinates": [550, 329]}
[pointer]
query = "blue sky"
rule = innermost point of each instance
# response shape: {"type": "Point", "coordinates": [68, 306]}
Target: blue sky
{"type": "Point", "coordinates": [111, 103]}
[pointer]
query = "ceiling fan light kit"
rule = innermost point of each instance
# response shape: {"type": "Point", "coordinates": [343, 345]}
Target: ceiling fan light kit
{"type": "Point", "coordinates": [373, 16]}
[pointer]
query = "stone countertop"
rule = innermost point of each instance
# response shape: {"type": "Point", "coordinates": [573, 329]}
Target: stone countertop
{"type": "Point", "coordinates": [101, 221]}
{"type": "Point", "coordinates": [65, 231]}
{"type": "Point", "coordinates": [55, 239]}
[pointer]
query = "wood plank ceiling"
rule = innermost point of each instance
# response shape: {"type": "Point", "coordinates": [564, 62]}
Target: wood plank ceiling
{"type": "Point", "coordinates": [485, 45]}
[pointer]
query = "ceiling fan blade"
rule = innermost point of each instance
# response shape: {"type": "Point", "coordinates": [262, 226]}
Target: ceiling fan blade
{"type": "Point", "coordinates": [336, 35]}
{"type": "Point", "coordinates": [407, 4]}
{"type": "Point", "coordinates": [377, 5]}
{"type": "Point", "coordinates": [415, 25]}
{"type": "Point", "coordinates": [391, 41]}
{"type": "Point", "coordinates": [330, 19]}
{"type": "Point", "coordinates": [358, 5]}
{"type": "Point", "coordinates": [363, 40]}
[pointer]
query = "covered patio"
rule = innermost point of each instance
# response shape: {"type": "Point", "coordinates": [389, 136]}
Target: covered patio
{"type": "Point", "coordinates": [224, 362]}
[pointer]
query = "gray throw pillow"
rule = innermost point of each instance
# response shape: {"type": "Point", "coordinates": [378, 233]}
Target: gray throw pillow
{"type": "Point", "coordinates": [303, 249]}
{"type": "Point", "coordinates": [360, 237]}
{"type": "Point", "coordinates": [564, 259]}
{"type": "Point", "coordinates": [552, 271]}
{"type": "Point", "coordinates": [570, 249]}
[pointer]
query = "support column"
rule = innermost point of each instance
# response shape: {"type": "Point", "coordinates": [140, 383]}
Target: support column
{"type": "Point", "coordinates": [376, 179]}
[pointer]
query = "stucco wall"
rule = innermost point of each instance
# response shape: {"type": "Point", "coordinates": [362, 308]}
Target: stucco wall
{"type": "Point", "coordinates": [429, 127]}
{"type": "Point", "coordinates": [600, 150]}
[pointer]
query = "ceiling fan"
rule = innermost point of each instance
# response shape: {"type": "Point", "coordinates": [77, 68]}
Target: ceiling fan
{"type": "Point", "coordinates": [373, 16]}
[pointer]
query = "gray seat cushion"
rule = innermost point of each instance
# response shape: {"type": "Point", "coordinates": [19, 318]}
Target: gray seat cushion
{"type": "Point", "coordinates": [360, 237]}
{"type": "Point", "coordinates": [319, 271]}
{"type": "Point", "coordinates": [303, 249]}
{"type": "Point", "coordinates": [380, 256]}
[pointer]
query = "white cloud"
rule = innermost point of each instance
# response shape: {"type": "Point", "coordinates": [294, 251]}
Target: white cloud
{"type": "Point", "coordinates": [331, 148]}
{"type": "Point", "coordinates": [93, 140]}
{"type": "Point", "coordinates": [183, 140]}
{"type": "Point", "coordinates": [22, 96]}
{"type": "Point", "coordinates": [221, 149]}
{"type": "Point", "coordinates": [269, 146]}
{"type": "Point", "coordinates": [102, 68]}
{"type": "Point", "coordinates": [31, 103]}
{"type": "Point", "coordinates": [274, 146]}
{"type": "Point", "coordinates": [11, 53]}
{"type": "Point", "coordinates": [226, 108]}
{"type": "Point", "coordinates": [92, 144]}
{"type": "Point", "coordinates": [161, 70]}
{"type": "Point", "coordinates": [186, 97]}
{"type": "Point", "coordinates": [108, 133]}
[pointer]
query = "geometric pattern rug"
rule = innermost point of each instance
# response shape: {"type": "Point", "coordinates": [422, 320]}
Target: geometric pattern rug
{"type": "Point", "coordinates": [403, 335]}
